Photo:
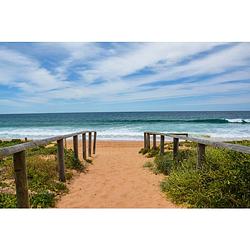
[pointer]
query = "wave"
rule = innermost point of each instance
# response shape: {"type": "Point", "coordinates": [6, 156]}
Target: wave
{"type": "Point", "coordinates": [216, 120]}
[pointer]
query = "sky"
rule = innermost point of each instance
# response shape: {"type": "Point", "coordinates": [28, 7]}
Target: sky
{"type": "Point", "coordinates": [96, 77]}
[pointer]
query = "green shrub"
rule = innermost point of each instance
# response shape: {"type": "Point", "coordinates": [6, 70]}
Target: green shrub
{"type": "Point", "coordinates": [43, 200]}
{"type": "Point", "coordinates": [164, 163]}
{"type": "Point", "coordinates": [224, 180]}
{"type": "Point", "coordinates": [143, 151]}
{"type": "Point", "coordinates": [71, 162]}
{"type": "Point", "coordinates": [42, 150]}
{"type": "Point", "coordinates": [42, 174]}
{"type": "Point", "coordinates": [153, 152]}
{"type": "Point", "coordinates": [7, 200]}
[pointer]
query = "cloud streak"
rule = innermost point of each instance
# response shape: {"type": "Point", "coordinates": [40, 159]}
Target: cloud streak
{"type": "Point", "coordinates": [116, 73]}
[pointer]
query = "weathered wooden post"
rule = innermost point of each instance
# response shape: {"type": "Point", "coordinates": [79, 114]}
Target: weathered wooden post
{"type": "Point", "coordinates": [94, 144]}
{"type": "Point", "coordinates": [145, 140]}
{"type": "Point", "coordinates": [200, 155]}
{"type": "Point", "coordinates": [175, 148]}
{"type": "Point", "coordinates": [65, 141]}
{"type": "Point", "coordinates": [90, 144]}
{"type": "Point", "coordinates": [162, 145]}
{"type": "Point", "coordinates": [60, 159]}
{"type": "Point", "coordinates": [154, 141]}
{"type": "Point", "coordinates": [25, 139]}
{"type": "Point", "coordinates": [148, 140]}
{"type": "Point", "coordinates": [84, 155]}
{"type": "Point", "coordinates": [75, 146]}
{"type": "Point", "coordinates": [22, 193]}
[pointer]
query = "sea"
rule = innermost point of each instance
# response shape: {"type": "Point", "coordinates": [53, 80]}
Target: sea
{"type": "Point", "coordinates": [127, 125]}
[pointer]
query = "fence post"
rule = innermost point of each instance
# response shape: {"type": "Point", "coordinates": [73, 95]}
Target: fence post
{"type": "Point", "coordinates": [22, 193]}
{"type": "Point", "coordinates": [145, 140]}
{"type": "Point", "coordinates": [75, 146]}
{"type": "Point", "coordinates": [162, 145]}
{"type": "Point", "coordinates": [94, 144]}
{"type": "Point", "coordinates": [90, 144]}
{"type": "Point", "coordinates": [175, 148]}
{"type": "Point", "coordinates": [84, 146]}
{"type": "Point", "coordinates": [25, 139]}
{"type": "Point", "coordinates": [200, 155]}
{"type": "Point", "coordinates": [148, 140]}
{"type": "Point", "coordinates": [154, 141]}
{"type": "Point", "coordinates": [65, 142]}
{"type": "Point", "coordinates": [60, 158]}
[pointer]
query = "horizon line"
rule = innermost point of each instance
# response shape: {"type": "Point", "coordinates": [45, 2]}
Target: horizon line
{"type": "Point", "coordinates": [156, 111]}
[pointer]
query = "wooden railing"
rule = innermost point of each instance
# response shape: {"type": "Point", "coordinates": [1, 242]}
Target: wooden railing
{"type": "Point", "coordinates": [19, 159]}
{"type": "Point", "coordinates": [201, 144]}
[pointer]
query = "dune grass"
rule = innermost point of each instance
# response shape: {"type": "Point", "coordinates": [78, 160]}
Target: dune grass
{"type": "Point", "coordinates": [44, 187]}
{"type": "Point", "coordinates": [224, 181]}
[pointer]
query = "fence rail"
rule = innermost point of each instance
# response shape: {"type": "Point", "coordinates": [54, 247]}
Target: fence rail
{"type": "Point", "coordinates": [19, 159]}
{"type": "Point", "coordinates": [201, 144]}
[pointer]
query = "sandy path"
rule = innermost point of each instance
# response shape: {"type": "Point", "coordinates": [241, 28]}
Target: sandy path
{"type": "Point", "coordinates": [116, 179]}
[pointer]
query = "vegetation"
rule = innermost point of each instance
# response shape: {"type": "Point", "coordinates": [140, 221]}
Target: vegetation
{"type": "Point", "coordinates": [44, 187]}
{"type": "Point", "coordinates": [223, 182]}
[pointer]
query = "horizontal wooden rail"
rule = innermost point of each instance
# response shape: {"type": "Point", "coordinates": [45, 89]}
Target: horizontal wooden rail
{"type": "Point", "coordinates": [201, 144]}
{"type": "Point", "coordinates": [36, 143]}
{"type": "Point", "coordinates": [225, 145]}
{"type": "Point", "coordinates": [19, 160]}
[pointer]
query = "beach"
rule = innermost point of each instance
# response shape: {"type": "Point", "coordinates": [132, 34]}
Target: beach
{"type": "Point", "coordinates": [116, 179]}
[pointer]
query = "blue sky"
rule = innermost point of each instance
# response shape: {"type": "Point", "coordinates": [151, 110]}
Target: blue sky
{"type": "Point", "coordinates": [86, 77]}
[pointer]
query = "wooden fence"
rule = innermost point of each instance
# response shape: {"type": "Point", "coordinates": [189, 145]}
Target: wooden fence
{"type": "Point", "coordinates": [201, 144]}
{"type": "Point", "coordinates": [19, 161]}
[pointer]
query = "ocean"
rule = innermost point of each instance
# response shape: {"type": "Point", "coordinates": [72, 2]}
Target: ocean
{"type": "Point", "coordinates": [126, 125]}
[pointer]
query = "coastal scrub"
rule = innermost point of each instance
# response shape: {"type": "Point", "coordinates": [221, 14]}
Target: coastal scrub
{"type": "Point", "coordinates": [223, 182]}
{"type": "Point", "coordinates": [42, 174]}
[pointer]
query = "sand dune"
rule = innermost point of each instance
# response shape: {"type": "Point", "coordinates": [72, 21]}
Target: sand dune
{"type": "Point", "coordinates": [116, 179]}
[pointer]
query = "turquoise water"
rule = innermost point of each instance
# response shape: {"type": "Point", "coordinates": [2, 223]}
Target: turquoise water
{"type": "Point", "coordinates": [126, 125]}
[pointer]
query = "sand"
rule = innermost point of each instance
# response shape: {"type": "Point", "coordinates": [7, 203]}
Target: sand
{"type": "Point", "coordinates": [116, 179]}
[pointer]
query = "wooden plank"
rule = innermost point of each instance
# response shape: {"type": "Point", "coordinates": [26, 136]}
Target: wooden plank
{"type": "Point", "coordinates": [75, 146]}
{"type": "Point", "coordinates": [22, 193]}
{"type": "Point", "coordinates": [94, 144]}
{"type": "Point", "coordinates": [162, 144]}
{"type": "Point", "coordinates": [145, 140]}
{"type": "Point", "coordinates": [200, 155]}
{"type": "Point", "coordinates": [60, 159]}
{"type": "Point", "coordinates": [175, 148]}
{"type": "Point", "coordinates": [90, 138]}
{"type": "Point", "coordinates": [230, 146]}
{"type": "Point", "coordinates": [32, 144]}
{"type": "Point", "coordinates": [84, 153]}
{"type": "Point", "coordinates": [148, 140]}
{"type": "Point", "coordinates": [225, 145]}
{"type": "Point", "coordinates": [154, 141]}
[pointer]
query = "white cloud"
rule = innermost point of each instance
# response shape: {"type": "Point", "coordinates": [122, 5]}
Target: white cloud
{"type": "Point", "coordinates": [111, 64]}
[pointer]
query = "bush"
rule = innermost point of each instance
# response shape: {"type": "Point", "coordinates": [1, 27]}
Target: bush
{"type": "Point", "coordinates": [143, 151]}
{"type": "Point", "coordinates": [71, 162]}
{"type": "Point", "coordinates": [164, 163]}
{"type": "Point", "coordinates": [43, 200]}
{"type": "Point", "coordinates": [42, 176]}
{"type": "Point", "coordinates": [7, 200]}
{"type": "Point", "coordinates": [223, 182]}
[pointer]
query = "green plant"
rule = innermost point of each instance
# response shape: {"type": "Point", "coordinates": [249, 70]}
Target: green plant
{"type": "Point", "coordinates": [72, 162]}
{"type": "Point", "coordinates": [148, 164]}
{"type": "Point", "coordinates": [223, 182]}
{"type": "Point", "coordinates": [164, 163]}
{"type": "Point", "coordinates": [43, 200]}
{"type": "Point", "coordinates": [143, 151]}
{"type": "Point", "coordinates": [7, 200]}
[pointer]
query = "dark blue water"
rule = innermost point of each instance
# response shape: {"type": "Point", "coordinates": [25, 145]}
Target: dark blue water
{"type": "Point", "coordinates": [127, 125]}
